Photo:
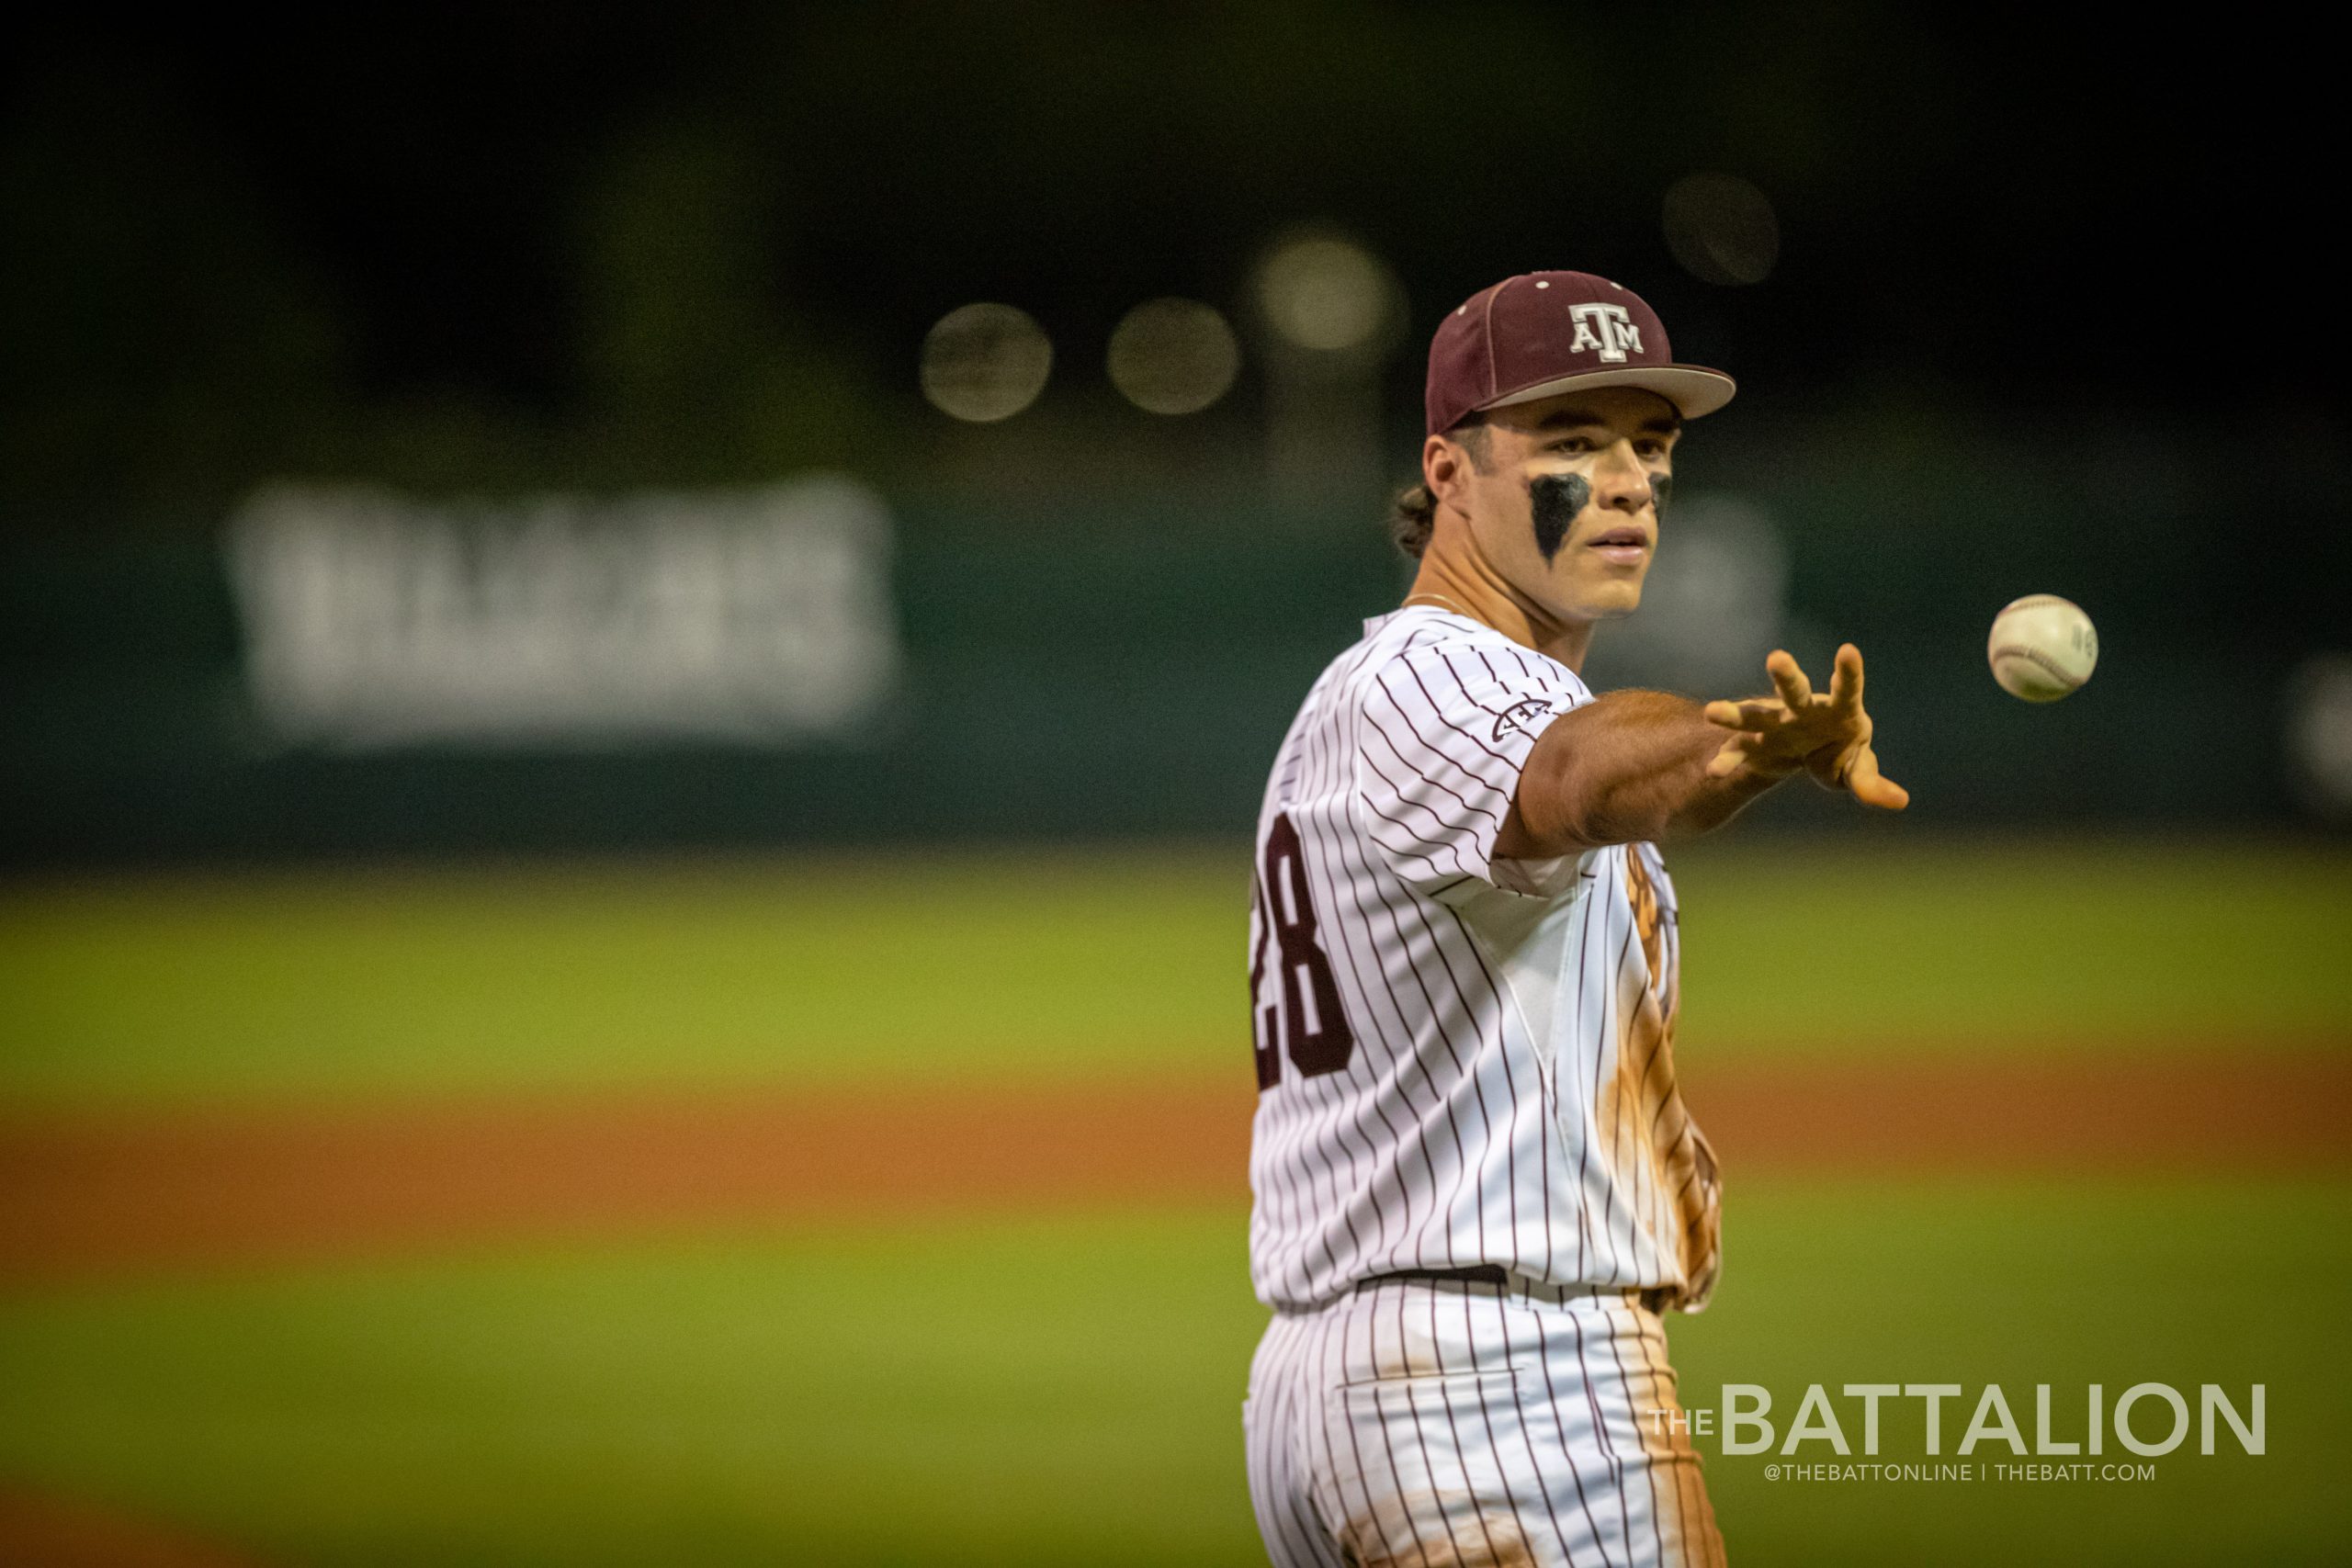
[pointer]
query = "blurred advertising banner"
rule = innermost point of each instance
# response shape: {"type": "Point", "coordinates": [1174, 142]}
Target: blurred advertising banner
{"type": "Point", "coordinates": [759, 617]}
{"type": "Point", "coordinates": [343, 671]}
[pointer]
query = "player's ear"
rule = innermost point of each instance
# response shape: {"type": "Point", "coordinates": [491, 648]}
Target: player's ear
{"type": "Point", "coordinates": [1444, 467]}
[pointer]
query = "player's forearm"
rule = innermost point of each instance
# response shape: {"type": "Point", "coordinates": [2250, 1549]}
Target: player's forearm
{"type": "Point", "coordinates": [1627, 767]}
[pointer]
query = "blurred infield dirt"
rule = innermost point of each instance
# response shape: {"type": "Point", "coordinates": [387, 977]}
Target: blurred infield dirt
{"type": "Point", "coordinates": [92, 1194]}
{"type": "Point", "coordinates": [39, 1529]}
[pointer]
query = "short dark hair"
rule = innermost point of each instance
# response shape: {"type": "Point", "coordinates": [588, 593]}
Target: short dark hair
{"type": "Point", "coordinates": [1414, 517]}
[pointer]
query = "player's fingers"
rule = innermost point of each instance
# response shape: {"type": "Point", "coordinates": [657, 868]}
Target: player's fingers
{"type": "Point", "coordinates": [1753, 713]}
{"type": "Point", "coordinates": [1788, 680]}
{"type": "Point", "coordinates": [1830, 762]}
{"type": "Point", "coordinates": [1731, 757]}
{"type": "Point", "coordinates": [1846, 680]}
{"type": "Point", "coordinates": [1872, 787]}
{"type": "Point", "coordinates": [1885, 794]}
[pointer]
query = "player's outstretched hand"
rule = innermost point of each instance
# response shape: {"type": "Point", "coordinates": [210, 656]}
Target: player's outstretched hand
{"type": "Point", "coordinates": [1829, 737]}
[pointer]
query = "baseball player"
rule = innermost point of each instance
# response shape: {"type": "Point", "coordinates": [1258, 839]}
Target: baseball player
{"type": "Point", "coordinates": [1475, 1185]}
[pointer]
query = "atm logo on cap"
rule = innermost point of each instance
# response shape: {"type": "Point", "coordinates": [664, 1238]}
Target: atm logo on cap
{"type": "Point", "coordinates": [1608, 328]}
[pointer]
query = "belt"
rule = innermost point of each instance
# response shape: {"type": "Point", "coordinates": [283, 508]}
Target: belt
{"type": "Point", "coordinates": [1652, 1300]}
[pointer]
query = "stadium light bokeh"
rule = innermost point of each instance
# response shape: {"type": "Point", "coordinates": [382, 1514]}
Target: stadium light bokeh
{"type": "Point", "coordinates": [1325, 293]}
{"type": "Point", "coordinates": [1722, 228]}
{"type": "Point", "coordinates": [985, 362]}
{"type": "Point", "coordinates": [1173, 356]}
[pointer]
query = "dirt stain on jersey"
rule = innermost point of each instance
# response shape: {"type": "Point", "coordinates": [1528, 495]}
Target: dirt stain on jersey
{"type": "Point", "coordinates": [1429, 1530]}
{"type": "Point", "coordinates": [1660, 1154]}
{"type": "Point", "coordinates": [1685, 1517]}
{"type": "Point", "coordinates": [1413, 1354]}
{"type": "Point", "coordinates": [1649, 925]}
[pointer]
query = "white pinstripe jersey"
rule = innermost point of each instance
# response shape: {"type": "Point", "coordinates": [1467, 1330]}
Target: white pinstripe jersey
{"type": "Point", "coordinates": [1460, 1061]}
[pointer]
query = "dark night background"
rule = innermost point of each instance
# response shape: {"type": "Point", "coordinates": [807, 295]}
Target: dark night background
{"type": "Point", "coordinates": [398, 210]}
{"type": "Point", "coordinates": [2054, 308]}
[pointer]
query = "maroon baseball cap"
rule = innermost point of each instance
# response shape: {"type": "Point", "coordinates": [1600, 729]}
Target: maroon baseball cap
{"type": "Point", "coordinates": [1542, 333]}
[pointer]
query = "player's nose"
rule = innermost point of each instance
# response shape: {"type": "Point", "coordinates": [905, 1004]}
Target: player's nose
{"type": "Point", "coordinates": [1620, 481]}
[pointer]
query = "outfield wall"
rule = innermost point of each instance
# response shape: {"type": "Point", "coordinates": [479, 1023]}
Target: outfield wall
{"type": "Point", "coordinates": [1056, 670]}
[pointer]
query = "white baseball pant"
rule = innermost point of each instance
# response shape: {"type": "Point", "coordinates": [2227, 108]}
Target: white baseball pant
{"type": "Point", "coordinates": [1443, 1424]}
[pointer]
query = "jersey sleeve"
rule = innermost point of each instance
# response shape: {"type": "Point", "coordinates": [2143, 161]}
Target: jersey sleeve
{"type": "Point", "coordinates": [1445, 729]}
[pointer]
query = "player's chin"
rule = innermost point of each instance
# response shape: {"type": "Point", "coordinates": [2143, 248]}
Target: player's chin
{"type": "Point", "coordinates": [1610, 599]}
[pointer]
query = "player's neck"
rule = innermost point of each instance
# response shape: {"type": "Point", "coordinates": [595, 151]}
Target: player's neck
{"type": "Point", "coordinates": [1454, 576]}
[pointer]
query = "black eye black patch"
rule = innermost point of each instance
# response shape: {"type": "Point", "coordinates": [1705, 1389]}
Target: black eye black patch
{"type": "Point", "coordinates": [1661, 491]}
{"type": "Point", "coordinates": [1554, 499]}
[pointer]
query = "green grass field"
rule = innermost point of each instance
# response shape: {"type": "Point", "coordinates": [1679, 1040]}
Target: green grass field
{"type": "Point", "coordinates": [1068, 1391]}
{"type": "Point", "coordinates": [1065, 1388]}
{"type": "Point", "coordinates": [851, 969]}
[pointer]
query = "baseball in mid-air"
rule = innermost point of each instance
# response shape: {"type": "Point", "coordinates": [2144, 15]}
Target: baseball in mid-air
{"type": "Point", "coordinates": [2043, 647]}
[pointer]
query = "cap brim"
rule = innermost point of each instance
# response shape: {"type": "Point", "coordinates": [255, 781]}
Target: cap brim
{"type": "Point", "coordinates": [1693, 389]}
